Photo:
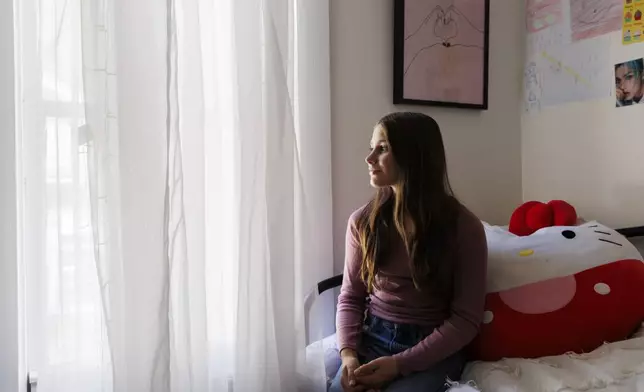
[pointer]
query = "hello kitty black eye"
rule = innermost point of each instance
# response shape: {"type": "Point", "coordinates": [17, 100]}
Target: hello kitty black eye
{"type": "Point", "coordinates": [568, 234]}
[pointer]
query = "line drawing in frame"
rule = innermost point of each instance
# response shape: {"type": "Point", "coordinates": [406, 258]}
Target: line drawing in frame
{"type": "Point", "coordinates": [441, 50]}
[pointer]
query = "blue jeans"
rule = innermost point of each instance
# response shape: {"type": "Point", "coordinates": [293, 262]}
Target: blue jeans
{"type": "Point", "coordinates": [384, 338]}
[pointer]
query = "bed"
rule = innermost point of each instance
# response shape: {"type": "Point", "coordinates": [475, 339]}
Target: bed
{"type": "Point", "coordinates": [614, 367]}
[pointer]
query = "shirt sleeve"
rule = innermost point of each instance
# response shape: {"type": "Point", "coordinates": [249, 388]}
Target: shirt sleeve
{"type": "Point", "coordinates": [466, 309]}
{"type": "Point", "coordinates": [353, 294]}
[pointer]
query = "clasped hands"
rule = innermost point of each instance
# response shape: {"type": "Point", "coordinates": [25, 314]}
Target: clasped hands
{"type": "Point", "coordinates": [370, 377]}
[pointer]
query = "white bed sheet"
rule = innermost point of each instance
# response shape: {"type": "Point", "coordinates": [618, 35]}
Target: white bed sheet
{"type": "Point", "coordinates": [614, 367]}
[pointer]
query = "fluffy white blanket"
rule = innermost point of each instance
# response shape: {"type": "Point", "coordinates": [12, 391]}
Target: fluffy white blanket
{"type": "Point", "coordinates": [614, 367]}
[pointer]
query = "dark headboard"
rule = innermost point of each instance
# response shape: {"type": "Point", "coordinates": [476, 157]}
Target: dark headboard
{"type": "Point", "coordinates": [635, 235]}
{"type": "Point", "coordinates": [632, 231]}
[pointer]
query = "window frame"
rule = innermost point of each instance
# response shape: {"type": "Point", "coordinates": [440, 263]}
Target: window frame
{"type": "Point", "coordinates": [12, 361]}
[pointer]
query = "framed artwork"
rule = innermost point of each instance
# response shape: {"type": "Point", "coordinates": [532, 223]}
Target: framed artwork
{"type": "Point", "coordinates": [441, 52]}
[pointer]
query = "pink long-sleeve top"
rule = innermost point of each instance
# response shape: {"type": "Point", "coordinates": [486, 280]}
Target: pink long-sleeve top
{"type": "Point", "coordinates": [451, 324]}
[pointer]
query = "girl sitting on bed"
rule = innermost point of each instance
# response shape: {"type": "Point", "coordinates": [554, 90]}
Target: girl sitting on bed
{"type": "Point", "coordinates": [415, 266]}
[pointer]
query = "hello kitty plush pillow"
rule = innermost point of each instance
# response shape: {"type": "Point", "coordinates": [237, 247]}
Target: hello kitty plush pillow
{"type": "Point", "coordinates": [561, 289]}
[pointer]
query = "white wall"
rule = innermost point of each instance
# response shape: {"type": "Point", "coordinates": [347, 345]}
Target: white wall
{"type": "Point", "coordinates": [483, 148]}
{"type": "Point", "coordinates": [9, 335]}
{"type": "Point", "coordinates": [591, 154]}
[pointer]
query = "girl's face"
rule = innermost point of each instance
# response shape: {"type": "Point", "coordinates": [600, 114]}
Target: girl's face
{"type": "Point", "coordinates": [383, 170]}
{"type": "Point", "coordinates": [628, 81]}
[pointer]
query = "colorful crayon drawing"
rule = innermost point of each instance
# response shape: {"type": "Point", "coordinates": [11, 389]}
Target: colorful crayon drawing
{"type": "Point", "coordinates": [558, 66]}
{"type": "Point", "coordinates": [541, 14]}
{"type": "Point", "coordinates": [568, 73]}
{"type": "Point", "coordinates": [591, 18]}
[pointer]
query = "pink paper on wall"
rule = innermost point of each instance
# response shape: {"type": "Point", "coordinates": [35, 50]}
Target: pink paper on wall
{"type": "Point", "coordinates": [591, 18]}
{"type": "Point", "coordinates": [541, 14]}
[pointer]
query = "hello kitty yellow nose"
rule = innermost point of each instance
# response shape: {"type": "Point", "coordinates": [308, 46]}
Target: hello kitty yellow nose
{"type": "Point", "coordinates": [526, 252]}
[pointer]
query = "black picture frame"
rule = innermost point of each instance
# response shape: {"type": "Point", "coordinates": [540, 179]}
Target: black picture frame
{"type": "Point", "coordinates": [399, 66]}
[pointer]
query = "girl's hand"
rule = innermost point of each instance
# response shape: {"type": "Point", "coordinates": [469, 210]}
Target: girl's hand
{"type": "Point", "coordinates": [350, 364]}
{"type": "Point", "coordinates": [378, 372]}
{"type": "Point", "coordinates": [619, 93]}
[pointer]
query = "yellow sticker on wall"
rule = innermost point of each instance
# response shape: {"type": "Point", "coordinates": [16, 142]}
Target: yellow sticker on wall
{"type": "Point", "coordinates": [633, 24]}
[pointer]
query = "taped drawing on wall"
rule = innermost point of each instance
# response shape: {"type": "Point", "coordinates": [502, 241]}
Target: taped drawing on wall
{"type": "Point", "coordinates": [568, 73]}
{"type": "Point", "coordinates": [541, 14]}
{"type": "Point", "coordinates": [548, 24]}
{"type": "Point", "coordinates": [553, 36]}
{"type": "Point", "coordinates": [592, 18]}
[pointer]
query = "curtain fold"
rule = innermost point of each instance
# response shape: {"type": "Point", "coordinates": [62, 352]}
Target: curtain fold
{"type": "Point", "coordinates": [101, 137]}
{"type": "Point", "coordinates": [267, 231]}
{"type": "Point", "coordinates": [197, 138]}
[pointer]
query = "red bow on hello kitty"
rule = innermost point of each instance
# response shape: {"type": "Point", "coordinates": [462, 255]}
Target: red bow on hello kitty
{"type": "Point", "coordinates": [534, 215]}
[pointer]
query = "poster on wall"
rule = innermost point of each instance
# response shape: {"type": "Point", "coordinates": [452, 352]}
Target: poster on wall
{"type": "Point", "coordinates": [558, 22]}
{"type": "Point", "coordinates": [542, 14]}
{"type": "Point", "coordinates": [593, 18]}
{"type": "Point", "coordinates": [568, 51]}
{"type": "Point", "coordinates": [633, 25]}
{"type": "Point", "coordinates": [547, 24]}
{"type": "Point", "coordinates": [629, 83]}
{"type": "Point", "coordinates": [441, 52]}
{"type": "Point", "coordinates": [563, 74]}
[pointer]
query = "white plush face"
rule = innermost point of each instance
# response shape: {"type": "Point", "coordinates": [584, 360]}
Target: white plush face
{"type": "Point", "coordinates": [551, 252]}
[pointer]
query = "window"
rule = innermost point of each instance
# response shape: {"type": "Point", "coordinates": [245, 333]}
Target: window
{"type": "Point", "coordinates": [65, 328]}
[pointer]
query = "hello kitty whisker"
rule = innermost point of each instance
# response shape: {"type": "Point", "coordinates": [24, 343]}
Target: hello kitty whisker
{"type": "Point", "coordinates": [593, 226]}
{"type": "Point", "coordinates": [602, 232]}
{"type": "Point", "coordinates": [614, 243]}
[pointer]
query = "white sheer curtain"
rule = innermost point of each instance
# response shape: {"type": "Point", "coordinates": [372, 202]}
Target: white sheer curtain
{"type": "Point", "coordinates": [177, 186]}
{"type": "Point", "coordinates": [63, 250]}
{"type": "Point", "coordinates": [262, 198]}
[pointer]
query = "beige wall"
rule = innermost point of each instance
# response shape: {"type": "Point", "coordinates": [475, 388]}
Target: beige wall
{"type": "Point", "coordinates": [591, 154]}
{"type": "Point", "coordinates": [483, 148]}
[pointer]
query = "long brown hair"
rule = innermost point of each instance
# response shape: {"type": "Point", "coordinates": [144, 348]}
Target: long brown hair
{"type": "Point", "coordinates": [422, 210]}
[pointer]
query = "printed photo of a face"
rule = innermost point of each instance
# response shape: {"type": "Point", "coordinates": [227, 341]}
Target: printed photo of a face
{"type": "Point", "coordinates": [629, 83]}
